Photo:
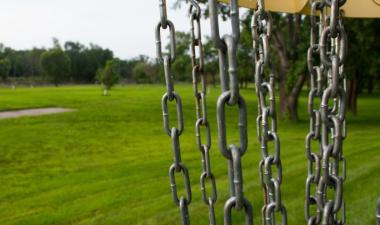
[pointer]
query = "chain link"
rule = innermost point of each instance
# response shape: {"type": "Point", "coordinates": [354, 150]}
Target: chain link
{"type": "Point", "coordinates": [267, 119]}
{"type": "Point", "coordinates": [174, 132]}
{"type": "Point", "coordinates": [227, 47]}
{"type": "Point", "coordinates": [327, 166]}
{"type": "Point", "coordinates": [333, 118]}
{"type": "Point", "coordinates": [317, 71]}
{"type": "Point", "coordinates": [201, 112]}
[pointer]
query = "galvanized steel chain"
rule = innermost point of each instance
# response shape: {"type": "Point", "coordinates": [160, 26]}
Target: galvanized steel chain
{"type": "Point", "coordinates": [174, 132]}
{"type": "Point", "coordinates": [267, 119]}
{"type": "Point", "coordinates": [317, 72]}
{"type": "Point", "coordinates": [201, 109]}
{"type": "Point", "coordinates": [327, 124]}
{"type": "Point", "coordinates": [227, 47]}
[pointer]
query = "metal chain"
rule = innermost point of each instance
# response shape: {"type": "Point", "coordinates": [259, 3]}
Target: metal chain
{"type": "Point", "coordinates": [317, 72]}
{"type": "Point", "coordinates": [174, 132]}
{"type": "Point", "coordinates": [267, 119]}
{"type": "Point", "coordinates": [227, 47]}
{"type": "Point", "coordinates": [333, 118]}
{"type": "Point", "coordinates": [201, 112]}
{"type": "Point", "coordinates": [327, 124]}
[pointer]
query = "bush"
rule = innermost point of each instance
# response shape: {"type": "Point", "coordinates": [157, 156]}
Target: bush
{"type": "Point", "coordinates": [5, 68]}
{"type": "Point", "coordinates": [56, 65]}
{"type": "Point", "coordinates": [109, 75]}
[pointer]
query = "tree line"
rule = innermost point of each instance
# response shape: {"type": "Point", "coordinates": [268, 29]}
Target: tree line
{"type": "Point", "coordinates": [74, 62]}
{"type": "Point", "coordinates": [71, 62]}
{"type": "Point", "coordinates": [289, 43]}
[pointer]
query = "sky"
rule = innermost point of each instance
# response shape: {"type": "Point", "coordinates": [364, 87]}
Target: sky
{"type": "Point", "coordinates": [124, 26]}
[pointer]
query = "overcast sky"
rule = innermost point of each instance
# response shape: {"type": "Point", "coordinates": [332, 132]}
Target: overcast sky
{"type": "Point", "coordinates": [124, 26]}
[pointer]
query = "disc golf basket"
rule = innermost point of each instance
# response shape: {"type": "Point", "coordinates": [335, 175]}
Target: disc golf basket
{"type": "Point", "coordinates": [325, 58]}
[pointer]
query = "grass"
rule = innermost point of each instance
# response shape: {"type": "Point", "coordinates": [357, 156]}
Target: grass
{"type": "Point", "coordinates": [107, 162]}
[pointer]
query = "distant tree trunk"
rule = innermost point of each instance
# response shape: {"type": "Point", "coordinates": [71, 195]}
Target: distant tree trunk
{"type": "Point", "coordinates": [370, 85]}
{"type": "Point", "coordinates": [283, 70]}
{"type": "Point", "coordinates": [285, 45]}
{"type": "Point", "coordinates": [293, 97]}
{"type": "Point", "coordinates": [105, 92]}
{"type": "Point", "coordinates": [283, 97]}
{"type": "Point", "coordinates": [213, 79]}
{"type": "Point", "coordinates": [353, 94]}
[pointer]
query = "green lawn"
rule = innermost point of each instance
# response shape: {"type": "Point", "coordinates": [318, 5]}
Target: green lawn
{"type": "Point", "coordinates": [107, 162]}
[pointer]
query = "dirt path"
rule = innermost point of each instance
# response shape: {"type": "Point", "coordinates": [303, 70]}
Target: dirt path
{"type": "Point", "coordinates": [32, 112]}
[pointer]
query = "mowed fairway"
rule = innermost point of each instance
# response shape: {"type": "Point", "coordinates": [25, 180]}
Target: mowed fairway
{"type": "Point", "coordinates": [107, 162]}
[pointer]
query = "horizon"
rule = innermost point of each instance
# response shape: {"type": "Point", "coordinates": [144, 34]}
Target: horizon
{"type": "Point", "coordinates": [42, 20]}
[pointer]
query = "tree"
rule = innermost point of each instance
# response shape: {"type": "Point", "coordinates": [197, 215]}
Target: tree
{"type": "Point", "coordinates": [363, 62]}
{"type": "Point", "coordinates": [290, 39]}
{"type": "Point", "coordinates": [56, 65]}
{"type": "Point", "coordinates": [182, 67]}
{"type": "Point", "coordinates": [244, 54]}
{"type": "Point", "coordinates": [109, 75]}
{"type": "Point", "coordinates": [95, 57]}
{"type": "Point", "coordinates": [85, 61]}
{"type": "Point", "coordinates": [5, 68]}
{"type": "Point", "coordinates": [144, 72]}
{"type": "Point", "coordinates": [76, 51]}
{"type": "Point", "coordinates": [211, 61]}
{"type": "Point", "coordinates": [32, 62]}
{"type": "Point", "coordinates": [126, 67]}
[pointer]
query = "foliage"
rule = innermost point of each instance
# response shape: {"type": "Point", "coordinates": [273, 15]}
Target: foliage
{"type": "Point", "coordinates": [211, 66]}
{"type": "Point", "coordinates": [182, 68]}
{"type": "Point", "coordinates": [364, 49]}
{"type": "Point", "coordinates": [245, 57]}
{"type": "Point", "coordinates": [24, 63]}
{"type": "Point", "coordinates": [56, 65]}
{"type": "Point", "coordinates": [109, 75]}
{"type": "Point", "coordinates": [142, 73]}
{"type": "Point", "coordinates": [5, 67]}
{"type": "Point", "coordinates": [289, 44]}
{"type": "Point", "coordinates": [85, 61]}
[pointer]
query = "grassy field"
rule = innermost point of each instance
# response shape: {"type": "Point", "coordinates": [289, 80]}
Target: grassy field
{"type": "Point", "coordinates": [107, 162]}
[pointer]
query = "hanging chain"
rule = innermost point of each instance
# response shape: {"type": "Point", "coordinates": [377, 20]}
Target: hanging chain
{"type": "Point", "coordinates": [316, 81]}
{"type": "Point", "coordinates": [326, 168]}
{"type": "Point", "coordinates": [201, 112]}
{"type": "Point", "coordinates": [333, 118]}
{"type": "Point", "coordinates": [227, 47]}
{"type": "Point", "coordinates": [174, 132]}
{"type": "Point", "coordinates": [327, 124]}
{"type": "Point", "coordinates": [267, 119]}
